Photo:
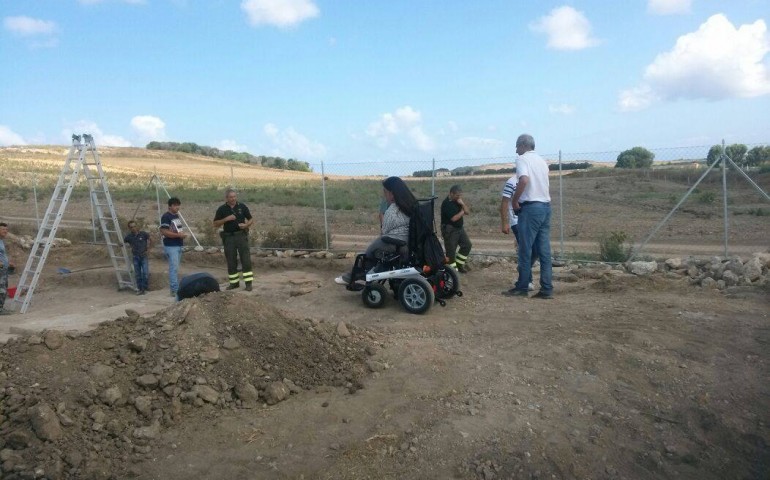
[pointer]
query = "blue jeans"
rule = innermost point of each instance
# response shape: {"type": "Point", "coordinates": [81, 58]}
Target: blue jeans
{"type": "Point", "coordinates": [515, 230]}
{"type": "Point", "coordinates": [142, 272]}
{"type": "Point", "coordinates": [174, 256]}
{"type": "Point", "coordinates": [534, 235]}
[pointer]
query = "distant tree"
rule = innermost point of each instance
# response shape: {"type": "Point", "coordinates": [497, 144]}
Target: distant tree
{"type": "Point", "coordinates": [296, 165]}
{"type": "Point", "coordinates": [714, 152]}
{"type": "Point", "coordinates": [737, 153]}
{"type": "Point", "coordinates": [637, 157]}
{"type": "Point", "coordinates": [757, 156]}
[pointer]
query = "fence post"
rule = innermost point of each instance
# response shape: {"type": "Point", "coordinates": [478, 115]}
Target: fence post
{"type": "Point", "coordinates": [433, 178]}
{"type": "Point", "coordinates": [561, 213]}
{"type": "Point", "coordinates": [34, 192]}
{"type": "Point", "coordinates": [326, 220]}
{"type": "Point", "coordinates": [723, 158]}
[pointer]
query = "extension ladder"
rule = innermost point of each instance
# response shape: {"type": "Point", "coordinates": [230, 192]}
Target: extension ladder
{"type": "Point", "coordinates": [83, 157]}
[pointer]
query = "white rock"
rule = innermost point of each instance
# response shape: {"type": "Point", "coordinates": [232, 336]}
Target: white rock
{"type": "Point", "coordinates": [643, 268]}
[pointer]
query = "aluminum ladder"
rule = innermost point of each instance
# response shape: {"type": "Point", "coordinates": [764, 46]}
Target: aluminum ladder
{"type": "Point", "coordinates": [82, 157]}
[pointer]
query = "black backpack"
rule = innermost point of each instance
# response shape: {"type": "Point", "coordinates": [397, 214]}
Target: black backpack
{"type": "Point", "coordinates": [424, 245]}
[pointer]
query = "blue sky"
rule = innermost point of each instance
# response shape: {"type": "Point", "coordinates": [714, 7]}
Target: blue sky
{"type": "Point", "coordinates": [386, 81]}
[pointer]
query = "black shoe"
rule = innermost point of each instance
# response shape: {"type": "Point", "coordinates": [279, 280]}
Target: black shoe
{"type": "Point", "coordinates": [516, 293]}
{"type": "Point", "coordinates": [248, 286]}
{"type": "Point", "coordinates": [544, 296]}
{"type": "Point", "coordinates": [233, 286]}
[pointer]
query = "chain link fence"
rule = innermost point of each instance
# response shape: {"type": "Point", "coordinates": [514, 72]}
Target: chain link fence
{"type": "Point", "coordinates": [728, 211]}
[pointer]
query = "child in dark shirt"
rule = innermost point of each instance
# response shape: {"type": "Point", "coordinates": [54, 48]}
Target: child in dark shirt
{"type": "Point", "coordinates": [140, 245]}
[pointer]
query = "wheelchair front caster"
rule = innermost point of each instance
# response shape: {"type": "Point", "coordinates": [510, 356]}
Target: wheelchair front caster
{"type": "Point", "coordinates": [374, 295]}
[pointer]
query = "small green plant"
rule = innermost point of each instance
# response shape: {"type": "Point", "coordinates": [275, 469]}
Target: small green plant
{"type": "Point", "coordinates": [207, 234]}
{"type": "Point", "coordinates": [305, 236]}
{"type": "Point", "coordinates": [612, 247]}
{"type": "Point", "coordinates": [706, 197]}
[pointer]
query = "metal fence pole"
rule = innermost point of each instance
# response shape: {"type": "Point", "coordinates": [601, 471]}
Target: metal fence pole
{"type": "Point", "coordinates": [323, 190]}
{"type": "Point", "coordinates": [34, 192]}
{"type": "Point", "coordinates": [561, 212]}
{"type": "Point", "coordinates": [433, 178]}
{"type": "Point", "coordinates": [722, 157]}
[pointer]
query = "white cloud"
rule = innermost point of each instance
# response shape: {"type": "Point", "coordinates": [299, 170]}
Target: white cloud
{"type": "Point", "coordinates": [404, 126]}
{"type": "Point", "coordinates": [228, 144]}
{"type": "Point", "coordinates": [292, 144]}
{"type": "Point", "coordinates": [279, 13]}
{"type": "Point", "coordinates": [28, 27]}
{"type": "Point", "coordinates": [475, 143]}
{"type": "Point", "coordinates": [668, 7]}
{"type": "Point", "coordinates": [100, 138]}
{"type": "Point", "coordinates": [562, 108]}
{"type": "Point", "coordinates": [637, 98]}
{"type": "Point", "coordinates": [9, 137]}
{"type": "Point", "coordinates": [715, 62]}
{"type": "Point", "coordinates": [566, 28]}
{"type": "Point", "coordinates": [148, 127]}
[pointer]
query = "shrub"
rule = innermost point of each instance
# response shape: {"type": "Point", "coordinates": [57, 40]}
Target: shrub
{"type": "Point", "coordinates": [612, 247]}
{"type": "Point", "coordinates": [207, 234]}
{"type": "Point", "coordinates": [706, 197]}
{"type": "Point", "coordinates": [305, 236]}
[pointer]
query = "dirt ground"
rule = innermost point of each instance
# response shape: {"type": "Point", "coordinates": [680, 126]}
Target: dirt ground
{"type": "Point", "coordinates": [617, 377]}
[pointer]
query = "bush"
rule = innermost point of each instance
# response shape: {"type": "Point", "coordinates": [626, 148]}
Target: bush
{"type": "Point", "coordinates": [612, 247]}
{"type": "Point", "coordinates": [706, 197]}
{"type": "Point", "coordinates": [306, 236]}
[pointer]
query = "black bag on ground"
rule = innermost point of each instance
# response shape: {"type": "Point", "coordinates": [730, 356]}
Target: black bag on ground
{"type": "Point", "coordinates": [197, 284]}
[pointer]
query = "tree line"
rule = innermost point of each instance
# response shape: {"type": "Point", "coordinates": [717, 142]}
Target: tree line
{"type": "Point", "coordinates": [464, 171]}
{"type": "Point", "coordinates": [244, 157]}
{"type": "Point", "coordinates": [640, 157]}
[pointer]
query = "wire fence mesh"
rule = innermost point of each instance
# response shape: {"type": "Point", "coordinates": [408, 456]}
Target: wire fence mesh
{"type": "Point", "coordinates": [336, 205]}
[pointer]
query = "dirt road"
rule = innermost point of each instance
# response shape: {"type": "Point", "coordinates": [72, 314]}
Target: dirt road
{"type": "Point", "coordinates": [620, 377]}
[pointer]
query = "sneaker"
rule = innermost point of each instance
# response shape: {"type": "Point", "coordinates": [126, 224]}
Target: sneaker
{"type": "Point", "coordinates": [544, 296]}
{"type": "Point", "coordinates": [248, 286]}
{"type": "Point", "coordinates": [531, 287]}
{"type": "Point", "coordinates": [5, 312]}
{"type": "Point", "coordinates": [173, 294]}
{"type": "Point", "coordinates": [515, 293]}
{"type": "Point", "coordinates": [143, 292]}
{"type": "Point", "coordinates": [463, 269]}
{"type": "Point", "coordinates": [343, 279]}
{"type": "Point", "coordinates": [233, 286]}
{"type": "Point", "coordinates": [140, 292]}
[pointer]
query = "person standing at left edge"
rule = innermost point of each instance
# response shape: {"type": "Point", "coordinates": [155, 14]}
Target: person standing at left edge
{"type": "Point", "coordinates": [235, 220]}
{"type": "Point", "coordinates": [6, 267]}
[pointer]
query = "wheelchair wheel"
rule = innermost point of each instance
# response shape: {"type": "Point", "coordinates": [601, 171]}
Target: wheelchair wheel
{"type": "Point", "coordinates": [374, 295]}
{"type": "Point", "coordinates": [416, 295]}
{"type": "Point", "coordinates": [447, 282]}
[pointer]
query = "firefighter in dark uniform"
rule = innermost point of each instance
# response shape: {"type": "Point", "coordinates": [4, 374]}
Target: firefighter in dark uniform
{"type": "Point", "coordinates": [235, 220]}
{"type": "Point", "coordinates": [453, 209]}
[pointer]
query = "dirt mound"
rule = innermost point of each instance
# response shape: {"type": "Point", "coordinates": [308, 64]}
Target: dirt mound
{"type": "Point", "coordinates": [89, 405]}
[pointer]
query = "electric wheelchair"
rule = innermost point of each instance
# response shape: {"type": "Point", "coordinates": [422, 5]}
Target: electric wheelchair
{"type": "Point", "coordinates": [415, 271]}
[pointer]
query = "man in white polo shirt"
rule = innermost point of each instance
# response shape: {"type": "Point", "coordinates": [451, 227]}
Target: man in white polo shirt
{"type": "Point", "coordinates": [532, 204]}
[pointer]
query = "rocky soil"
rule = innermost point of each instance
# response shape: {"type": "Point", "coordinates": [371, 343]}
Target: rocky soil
{"type": "Point", "coordinates": [89, 405]}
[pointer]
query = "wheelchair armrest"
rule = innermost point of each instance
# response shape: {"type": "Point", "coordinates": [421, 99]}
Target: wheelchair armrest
{"type": "Point", "coordinates": [394, 241]}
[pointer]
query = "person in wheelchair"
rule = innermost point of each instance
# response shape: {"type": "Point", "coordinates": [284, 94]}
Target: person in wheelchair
{"type": "Point", "coordinates": [395, 228]}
